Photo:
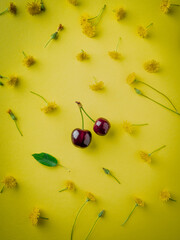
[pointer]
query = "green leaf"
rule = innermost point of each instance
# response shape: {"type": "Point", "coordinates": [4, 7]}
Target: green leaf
{"type": "Point", "coordinates": [45, 159]}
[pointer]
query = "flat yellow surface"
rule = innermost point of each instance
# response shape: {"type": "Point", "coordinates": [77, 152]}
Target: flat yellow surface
{"type": "Point", "coordinates": [59, 77]}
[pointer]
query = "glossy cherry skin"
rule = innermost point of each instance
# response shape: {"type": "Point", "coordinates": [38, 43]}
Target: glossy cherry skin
{"type": "Point", "coordinates": [101, 126]}
{"type": "Point", "coordinates": [81, 138]}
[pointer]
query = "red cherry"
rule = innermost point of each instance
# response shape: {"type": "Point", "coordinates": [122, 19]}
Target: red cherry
{"type": "Point", "coordinates": [101, 126]}
{"type": "Point", "coordinates": [81, 138]}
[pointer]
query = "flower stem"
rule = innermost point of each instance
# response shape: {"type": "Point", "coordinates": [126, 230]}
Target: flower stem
{"type": "Point", "coordinates": [129, 215]}
{"type": "Point", "coordinates": [143, 124]}
{"type": "Point", "coordinates": [173, 4]}
{"type": "Point", "coordinates": [171, 199]}
{"type": "Point", "coordinates": [64, 189]}
{"type": "Point", "coordinates": [149, 25]}
{"type": "Point", "coordinates": [157, 150]}
{"type": "Point", "coordinates": [159, 93]}
{"type": "Point", "coordinates": [39, 96]}
{"type": "Point", "coordinates": [115, 178]}
{"type": "Point", "coordinates": [92, 227]}
{"type": "Point", "coordinates": [72, 231]}
{"type": "Point", "coordinates": [47, 42]}
{"type": "Point", "coordinates": [118, 44]}
{"type": "Point", "coordinates": [44, 218]}
{"type": "Point", "coordinates": [2, 189]}
{"type": "Point", "coordinates": [1, 84]}
{"type": "Point", "coordinates": [99, 15]}
{"type": "Point", "coordinates": [140, 93]}
{"type": "Point", "coordinates": [18, 128]}
{"type": "Point", "coordinates": [64, 167]}
{"type": "Point", "coordinates": [7, 10]}
{"type": "Point", "coordinates": [24, 54]}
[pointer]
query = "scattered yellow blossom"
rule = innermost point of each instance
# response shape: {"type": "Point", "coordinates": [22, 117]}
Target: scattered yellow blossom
{"type": "Point", "coordinates": [152, 66]}
{"type": "Point", "coordinates": [70, 185]}
{"type": "Point", "coordinates": [28, 61]}
{"type": "Point", "coordinates": [91, 197]}
{"type": "Point", "coordinates": [131, 78]}
{"type": "Point", "coordinates": [165, 195]}
{"type": "Point", "coordinates": [96, 86]}
{"type": "Point", "coordinates": [73, 2]}
{"type": "Point", "coordinates": [9, 182]}
{"type": "Point", "coordinates": [145, 156]}
{"type": "Point", "coordinates": [128, 127]}
{"type": "Point", "coordinates": [12, 8]}
{"type": "Point", "coordinates": [165, 6]}
{"type": "Point", "coordinates": [34, 216]}
{"type": "Point", "coordinates": [89, 29]}
{"type": "Point", "coordinates": [34, 8]}
{"type": "Point", "coordinates": [114, 54]}
{"type": "Point", "coordinates": [82, 56]}
{"type": "Point", "coordinates": [12, 81]}
{"type": "Point", "coordinates": [51, 106]}
{"type": "Point", "coordinates": [139, 202]}
{"type": "Point", "coordinates": [142, 31]}
{"type": "Point", "coordinates": [120, 13]}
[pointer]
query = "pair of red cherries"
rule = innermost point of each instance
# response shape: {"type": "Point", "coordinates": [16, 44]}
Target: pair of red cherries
{"type": "Point", "coordinates": [81, 137]}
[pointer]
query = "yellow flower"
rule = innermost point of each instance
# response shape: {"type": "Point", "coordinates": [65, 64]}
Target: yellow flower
{"type": "Point", "coordinates": [34, 8]}
{"type": "Point", "coordinates": [34, 216]}
{"type": "Point", "coordinates": [51, 106]}
{"type": "Point", "coordinates": [12, 8]}
{"type": "Point", "coordinates": [142, 31]}
{"type": "Point", "coordinates": [128, 127]}
{"type": "Point", "coordinates": [73, 2]}
{"type": "Point", "coordinates": [131, 78]}
{"type": "Point", "coordinates": [9, 182]}
{"type": "Point", "coordinates": [97, 85]}
{"type": "Point", "coordinates": [89, 29]}
{"type": "Point", "coordinates": [91, 197]}
{"type": "Point", "coordinates": [114, 54]}
{"type": "Point", "coordinates": [165, 6]}
{"type": "Point", "coordinates": [139, 202]}
{"type": "Point", "coordinates": [70, 186]}
{"type": "Point", "coordinates": [13, 81]}
{"type": "Point", "coordinates": [82, 56]}
{"type": "Point", "coordinates": [28, 61]}
{"type": "Point", "coordinates": [120, 13]}
{"type": "Point", "coordinates": [152, 66]}
{"type": "Point", "coordinates": [145, 156]}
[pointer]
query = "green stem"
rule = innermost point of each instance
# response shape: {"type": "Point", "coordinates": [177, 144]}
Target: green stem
{"type": "Point", "coordinates": [115, 178]}
{"type": "Point", "coordinates": [99, 15]}
{"type": "Point", "coordinates": [118, 44]}
{"type": "Point", "coordinates": [1, 84]}
{"type": "Point", "coordinates": [82, 118]}
{"type": "Point", "coordinates": [64, 167]}
{"type": "Point", "coordinates": [18, 128]}
{"type": "Point", "coordinates": [171, 199]}
{"type": "Point", "coordinates": [48, 42]}
{"type": "Point", "coordinates": [88, 115]}
{"type": "Point", "coordinates": [157, 150]}
{"type": "Point", "coordinates": [72, 231]}
{"type": "Point", "coordinates": [44, 218]}
{"type": "Point", "coordinates": [24, 54]}
{"type": "Point", "coordinates": [92, 228]}
{"type": "Point", "coordinates": [173, 4]}
{"type": "Point", "coordinates": [159, 93]}
{"type": "Point", "coordinates": [149, 25]}
{"type": "Point", "coordinates": [64, 189]}
{"type": "Point", "coordinates": [143, 124]}
{"type": "Point", "coordinates": [129, 215]}
{"type": "Point", "coordinates": [7, 10]}
{"type": "Point", "coordinates": [39, 96]}
{"type": "Point", "coordinates": [2, 189]}
{"type": "Point", "coordinates": [140, 93]}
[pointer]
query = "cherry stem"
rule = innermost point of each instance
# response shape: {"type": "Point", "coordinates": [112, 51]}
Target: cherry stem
{"type": "Point", "coordinates": [129, 215]}
{"type": "Point", "coordinates": [18, 128]}
{"type": "Point", "coordinates": [149, 25]}
{"type": "Point", "coordinates": [72, 231]}
{"type": "Point", "coordinates": [39, 96]}
{"type": "Point", "coordinates": [44, 218]}
{"type": "Point", "coordinates": [140, 93]}
{"type": "Point", "coordinates": [2, 189]}
{"type": "Point", "coordinates": [64, 189]}
{"type": "Point", "coordinates": [7, 10]}
{"type": "Point", "coordinates": [157, 150]}
{"type": "Point", "coordinates": [118, 44]}
{"type": "Point", "coordinates": [158, 92]}
{"type": "Point", "coordinates": [82, 109]}
{"type": "Point", "coordinates": [92, 227]}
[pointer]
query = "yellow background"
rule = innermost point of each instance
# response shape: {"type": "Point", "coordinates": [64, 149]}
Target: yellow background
{"type": "Point", "coordinates": [60, 77]}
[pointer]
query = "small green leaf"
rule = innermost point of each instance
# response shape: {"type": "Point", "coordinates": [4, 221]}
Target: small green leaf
{"type": "Point", "coordinates": [45, 159]}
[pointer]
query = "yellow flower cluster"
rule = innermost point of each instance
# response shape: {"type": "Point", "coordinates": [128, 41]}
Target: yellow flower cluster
{"type": "Point", "coordinates": [87, 26]}
{"type": "Point", "coordinates": [139, 202]}
{"type": "Point", "coordinates": [152, 66]}
{"type": "Point", "coordinates": [12, 8]}
{"type": "Point", "coordinates": [165, 6]}
{"type": "Point", "coordinates": [128, 127]}
{"type": "Point", "coordinates": [120, 13]}
{"type": "Point", "coordinates": [145, 156]}
{"type": "Point", "coordinates": [131, 78]}
{"type": "Point", "coordinates": [91, 197]}
{"type": "Point", "coordinates": [96, 86]}
{"type": "Point", "coordinates": [142, 31]}
{"type": "Point", "coordinates": [28, 61]}
{"type": "Point", "coordinates": [73, 2]}
{"type": "Point", "coordinates": [51, 106]}
{"type": "Point", "coordinates": [82, 56]}
{"type": "Point", "coordinates": [70, 185]}
{"type": "Point", "coordinates": [12, 81]}
{"type": "Point", "coordinates": [34, 8]}
{"type": "Point", "coordinates": [34, 216]}
{"type": "Point", "coordinates": [9, 182]}
{"type": "Point", "coordinates": [114, 55]}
